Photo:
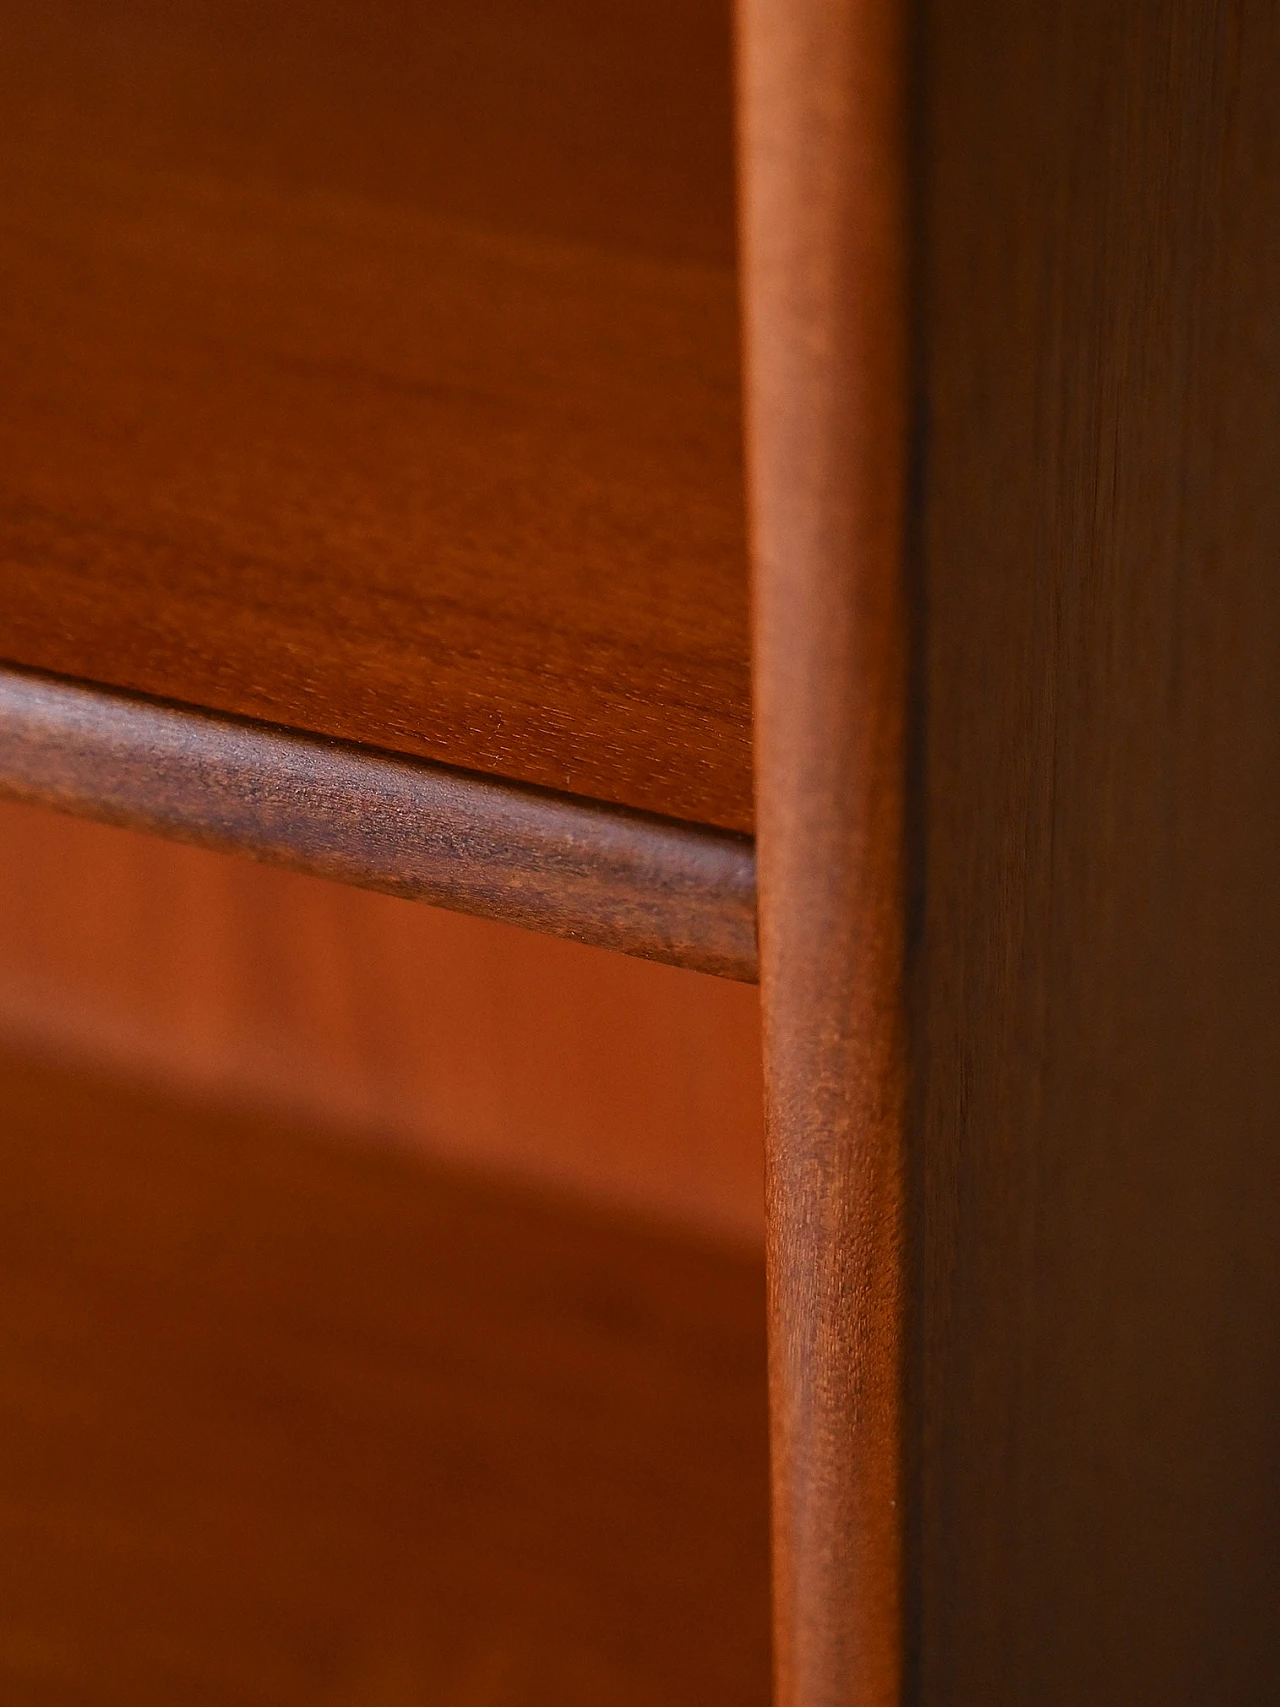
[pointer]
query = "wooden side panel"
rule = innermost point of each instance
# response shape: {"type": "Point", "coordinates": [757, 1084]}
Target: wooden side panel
{"type": "Point", "coordinates": [824, 191]}
{"type": "Point", "coordinates": [1100, 1003]}
{"type": "Point", "coordinates": [374, 370]}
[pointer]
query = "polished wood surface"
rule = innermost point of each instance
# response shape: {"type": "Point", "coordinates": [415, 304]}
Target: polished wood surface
{"type": "Point", "coordinates": [614, 878]}
{"type": "Point", "coordinates": [825, 299]}
{"type": "Point", "coordinates": [1099, 1357]}
{"type": "Point", "coordinates": [414, 420]}
{"type": "Point", "coordinates": [375, 371]}
{"type": "Point", "coordinates": [286, 1424]}
{"type": "Point", "coordinates": [614, 1081]}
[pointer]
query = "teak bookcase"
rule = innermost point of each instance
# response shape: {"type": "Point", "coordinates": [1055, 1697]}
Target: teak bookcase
{"type": "Point", "coordinates": [372, 499]}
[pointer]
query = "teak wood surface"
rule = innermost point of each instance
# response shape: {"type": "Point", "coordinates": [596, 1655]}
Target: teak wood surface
{"type": "Point", "coordinates": [1025, 940]}
{"type": "Point", "coordinates": [293, 1424]}
{"type": "Point", "coordinates": [1012, 290]}
{"type": "Point", "coordinates": [822, 90]}
{"type": "Point", "coordinates": [374, 371]}
{"type": "Point", "coordinates": [655, 887]}
{"type": "Point", "coordinates": [1097, 1051]}
{"type": "Point", "coordinates": [618, 1080]}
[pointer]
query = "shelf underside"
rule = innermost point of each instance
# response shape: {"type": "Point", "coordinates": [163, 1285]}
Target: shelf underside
{"type": "Point", "coordinates": [375, 372]}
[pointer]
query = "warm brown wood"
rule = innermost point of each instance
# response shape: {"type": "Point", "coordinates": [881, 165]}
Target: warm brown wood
{"type": "Point", "coordinates": [375, 371]}
{"type": "Point", "coordinates": [283, 1425]}
{"type": "Point", "coordinates": [616, 1080]}
{"type": "Point", "coordinates": [603, 875]}
{"type": "Point", "coordinates": [824, 193]}
{"type": "Point", "coordinates": [446, 460]}
{"type": "Point", "coordinates": [1099, 1058]}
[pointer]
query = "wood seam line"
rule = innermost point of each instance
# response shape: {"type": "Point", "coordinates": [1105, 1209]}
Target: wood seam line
{"type": "Point", "coordinates": [600, 874]}
{"type": "Point", "coordinates": [824, 188]}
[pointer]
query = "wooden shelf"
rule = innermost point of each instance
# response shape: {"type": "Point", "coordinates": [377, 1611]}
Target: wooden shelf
{"type": "Point", "coordinates": [376, 372]}
{"type": "Point", "coordinates": [286, 1424]}
{"type": "Point", "coordinates": [604, 875]}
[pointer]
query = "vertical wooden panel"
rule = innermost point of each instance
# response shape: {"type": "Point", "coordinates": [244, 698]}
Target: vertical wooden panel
{"type": "Point", "coordinates": [1100, 1520]}
{"type": "Point", "coordinates": [821, 92]}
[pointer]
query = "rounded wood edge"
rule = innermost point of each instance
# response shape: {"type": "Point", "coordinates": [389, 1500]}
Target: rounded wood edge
{"type": "Point", "coordinates": [602, 875]}
{"type": "Point", "coordinates": [824, 194]}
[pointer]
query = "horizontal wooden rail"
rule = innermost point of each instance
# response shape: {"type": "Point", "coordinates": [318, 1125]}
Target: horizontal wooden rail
{"type": "Point", "coordinates": [600, 874]}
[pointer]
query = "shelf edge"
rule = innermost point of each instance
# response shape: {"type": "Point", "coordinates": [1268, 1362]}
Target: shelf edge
{"type": "Point", "coordinates": [595, 873]}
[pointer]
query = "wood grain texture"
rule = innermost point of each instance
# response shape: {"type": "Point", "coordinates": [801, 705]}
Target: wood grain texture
{"type": "Point", "coordinates": [1099, 1078]}
{"type": "Point", "coordinates": [601, 875]}
{"type": "Point", "coordinates": [598, 1077]}
{"type": "Point", "coordinates": [285, 1425]}
{"type": "Point", "coordinates": [376, 373]}
{"type": "Point", "coordinates": [825, 300]}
